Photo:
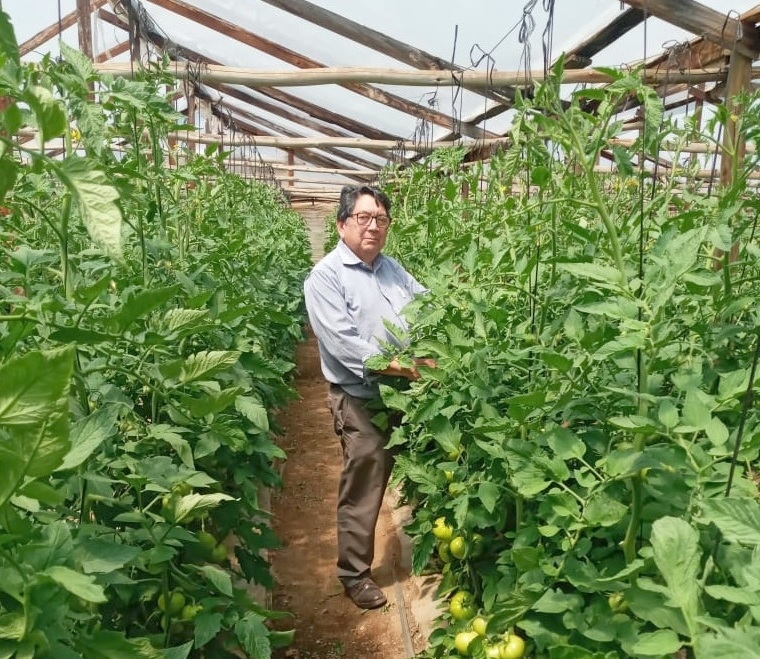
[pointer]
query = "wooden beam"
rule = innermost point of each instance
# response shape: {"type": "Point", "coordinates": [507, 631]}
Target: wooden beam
{"type": "Point", "coordinates": [84, 23]}
{"type": "Point", "coordinates": [288, 100]}
{"type": "Point", "coordinates": [346, 75]}
{"type": "Point", "coordinates": [280, 96]}
{"type": "Point", "coordinates": [321, 142]}
{"type": "Point", "coordinates": [305, 120]}
{"type": "Point", "coordinates": [699, 19]}
{"type": "Point", "coordinates": [256, 137]}
{"type": "Point", "coordinates": [252, 124]}
{"type": "Point", "coordinates": [382, 43]}
{"type": "Point", "coordinates": [301, 61]}
{"type": "Point", "coordinates": [51, 31]}
{"type": "Point", "coordinates": [325, 170]}
{"type": "Point", "coordinates": [734, 147]}
{"type": "Point", "coordinates": [691, 147]}
{"type": "Point", "coordinates": [112, 52]}
{"type": "Point", "coordinates": [581, 56]}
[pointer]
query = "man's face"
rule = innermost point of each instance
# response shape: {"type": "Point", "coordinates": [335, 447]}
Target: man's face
{"type": "Point", "coordinates": [365, 241]}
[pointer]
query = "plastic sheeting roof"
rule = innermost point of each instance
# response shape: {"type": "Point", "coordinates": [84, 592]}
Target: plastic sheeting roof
{"type": "Point", "coordinates": [477, 34]}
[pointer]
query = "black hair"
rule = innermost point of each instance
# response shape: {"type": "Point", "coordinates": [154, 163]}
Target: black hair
{"type": "Point", "coordinates": [350, 193]}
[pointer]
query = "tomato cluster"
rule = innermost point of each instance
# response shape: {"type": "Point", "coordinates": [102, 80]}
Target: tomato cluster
{"type": "Point", "coordinates": [505, 646]}
{"type": "Point", "coordinates": [452, 544]}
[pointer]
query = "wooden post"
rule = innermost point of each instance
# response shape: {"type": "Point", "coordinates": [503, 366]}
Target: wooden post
{"type": "Point", "coordinates": [84, 23]}
{"type": "Point", "coordinates": [734, 147]}
{"type": "Point", "coordinates": [698, 108]}
{"type": "Point", "coordinates": [291, 162]}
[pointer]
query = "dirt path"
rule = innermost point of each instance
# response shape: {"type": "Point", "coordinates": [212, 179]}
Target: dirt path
{"type": "Point", "coordinates": [328, 625]}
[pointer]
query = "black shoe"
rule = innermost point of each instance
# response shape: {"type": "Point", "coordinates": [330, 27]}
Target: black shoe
{"type": "Point", "coordinates": [366, 594]}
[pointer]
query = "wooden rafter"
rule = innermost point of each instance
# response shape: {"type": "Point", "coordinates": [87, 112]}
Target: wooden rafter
{"type": "Point", "coordinates": [113, 51]}
{"type": "Point", "coordinates": [303, 120]}
{"type": "Point", "coordinates": [698, 52]}
{"type": "Point", "coordinates": [381, 43]}
{"type": "Point", "coordinates": [352, 126]}
{"type": "Point", "coordinates": [581, 55]}
{"type": "Point", "coordinates": [303, 62]}
{"type": "Point", "coordinates": [730, 33]}
{"type": "Point", "coordinates": [51, 31]}
{"type": "Point", "coordinates": [242, 119]}
{"type": "Point", "coordinates": [254, 136]}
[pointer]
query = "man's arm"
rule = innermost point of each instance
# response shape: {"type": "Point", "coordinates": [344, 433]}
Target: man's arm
{"type": "Point", "coordinates": [333, 325]}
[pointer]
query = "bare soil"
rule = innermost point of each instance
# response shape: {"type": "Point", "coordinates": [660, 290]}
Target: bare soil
{"type": "Point", "coordinates": [328, 625]}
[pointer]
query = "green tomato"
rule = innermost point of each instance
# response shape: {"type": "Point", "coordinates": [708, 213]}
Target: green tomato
{"type": "Point", "coordinates": [617, 603]}
{"type": "Point", "coordinates": [479, 625]}
{"type": "Point", "coordinates": [476, 545]}
{"type": "Point", "coordinates": [443, 551]}
{"type": "Point", "coordinates": [512, 647]}
{"type": "Point", "coordinates": [442, 530]}
{"type": "Point", "coordinates": [189, 611]}
{"type": "Point", "coordinates": [171, 603]}
{"type": "Point", "coordinates": [462, 605]}
{"type": "Point", "coordinates": [206, 541]}
{"type": "Point", "coordinates": [462, 642]}
{"type": "Point", "coordinates": [458, 547]}
{"type": "Point", "coordinates": [453, 456]}
{"type": "Point", "coordinates": [456, 488]}
{"type": "Point", "coordinates": [218, 554]}
{"type": "Point", "coordinates": [493, 651]}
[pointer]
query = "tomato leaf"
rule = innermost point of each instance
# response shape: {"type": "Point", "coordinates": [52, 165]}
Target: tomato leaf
{"type": "Point", "coordinates": [253, 636]}
{"type": "Point", "coordinates": [76, 583]}
{"type": "Point", "coordinates": [88, 434]}
{"type": "Point", "coordinates": [140, 304]}
{"type": "Point", "coordinates": [34, 426]}
{"type": "Point", "coordinates": [115, 645]}
{"type": "Point", "coordinates": [203, 364]}
{"type": "Point", "coordinates": [488, 493]}
{"type": "Point", "coordinates": [728, 643]}
{"type": "Point", "coordinates": [675, 545]}
{"type": "Point", "coordinates": [218, 578]}
{"type": "Point", "coordinates": [738, 519]}
{"type": "Point", "coordinates": [97, 203]}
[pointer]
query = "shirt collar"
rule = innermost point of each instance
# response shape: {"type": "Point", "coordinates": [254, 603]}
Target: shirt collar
{"type": "Point", "coordinates": [347, 257]}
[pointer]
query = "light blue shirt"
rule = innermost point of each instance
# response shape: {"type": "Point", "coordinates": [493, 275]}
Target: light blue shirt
{"type": "Point", "coordinates": [347, 302]}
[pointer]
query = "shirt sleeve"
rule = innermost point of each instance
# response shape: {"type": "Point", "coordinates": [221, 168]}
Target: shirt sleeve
{"type": "Point", "coordinates": [334, 326]}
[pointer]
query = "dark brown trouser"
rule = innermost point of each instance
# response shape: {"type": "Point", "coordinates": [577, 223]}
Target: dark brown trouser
{"type": "Point", "coordinates": [367, 466]}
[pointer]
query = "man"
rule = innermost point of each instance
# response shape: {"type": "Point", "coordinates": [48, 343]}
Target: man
{"type": "Point", "coordinates": [349, 295]}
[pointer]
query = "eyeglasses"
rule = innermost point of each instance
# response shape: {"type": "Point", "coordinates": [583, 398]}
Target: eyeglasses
{"type": "Point", "coordinates": [363, 220]}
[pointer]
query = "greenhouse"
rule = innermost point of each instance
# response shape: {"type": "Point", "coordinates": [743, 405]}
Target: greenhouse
{"type": "Point", "coordinates": [379, 330]}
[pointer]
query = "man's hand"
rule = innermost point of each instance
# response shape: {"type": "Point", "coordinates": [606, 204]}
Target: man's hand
{"type": "Point", "coordinates": [394, 368]}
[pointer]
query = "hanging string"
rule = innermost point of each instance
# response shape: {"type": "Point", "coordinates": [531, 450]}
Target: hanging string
{"type": "Point", "coordinates": [456, 90]}
{"type": "Point", "coordinates": [527, 26]}
{"type": "Point", "coordinates": [60, 29]}
{"type": "Point", "coordinates": [547, 37]}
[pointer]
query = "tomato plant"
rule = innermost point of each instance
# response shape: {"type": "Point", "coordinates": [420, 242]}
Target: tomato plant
{"type": "Point", "coordinates": [595, 362]}
{"type": "Point", "coordinates": [143, 375]}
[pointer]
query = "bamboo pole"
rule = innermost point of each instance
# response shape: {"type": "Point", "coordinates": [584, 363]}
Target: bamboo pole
{"type": "Point", "coordinates": [317, 142]}
{"type": "Point", "coordinates": [479, 79]}
{"type": "Point", "coordinates": [691, 147]}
